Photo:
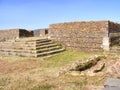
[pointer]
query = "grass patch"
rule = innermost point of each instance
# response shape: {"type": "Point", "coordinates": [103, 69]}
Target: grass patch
{"type": "Point", "coordinates": [68, 57]}
{"type": "Point", "coordinates": [39, 74]}
{"type": "Point", "coordinates": [43, 87]}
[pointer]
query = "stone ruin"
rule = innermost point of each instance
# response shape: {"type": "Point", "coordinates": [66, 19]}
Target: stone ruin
{"type": "Point", "coordinates": [86, 36]}
{"type": "Point", "coordinates": [81, 36]}
{"type": "Point", "coordinates": [12, 34]}
{"type": "Point", "coordinates": [30, 43]}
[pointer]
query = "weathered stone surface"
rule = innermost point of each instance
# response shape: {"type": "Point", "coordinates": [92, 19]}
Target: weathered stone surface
{"type": "Point", "coordinates": [9, 34]}
{"type": "Point", "coordinates": [25, 33]}
{"type": "Point", "coordinates": [111, 88]}
{"type": "Point", "coordinates": [81, 65]}
{"type": "Point", "coordinates": [43, 32]}
{"type": "Point", "coordinates": [114, 27]}
{"type": "Point", "coordinates": [82, 36]}
{"type": "Point", "coordinates": [29, 47]}
{"type": "Point", "coordinates": [112, 82]}
{"type": "Point", "coordinates": [40, 32]}
{"type": "Point", "coordinates": [85, 36]}
{"type": "Point", "coordinates": [99, 67]}
{"type": "Point", "coordinates": [114, 33]}
{"type": "Point", "coordinates": [36, 32]}
{"type": "Point", "coordinates": [14, 34]}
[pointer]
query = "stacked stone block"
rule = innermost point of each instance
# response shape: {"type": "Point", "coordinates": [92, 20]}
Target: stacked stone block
{"type": "Point", "coordinates": [43, 32]}
{"type": "Point", "coordinates": [81, 36]}
{"type": "Point", "coordinates": [114, 33]}
{"type": "Point", "coordinates": [25, 33]}
{"type": "Point", "coordinates": [40, 32]}
{"type": "Point", "coordinates": [9, 34]}
{"type": "Point", "coordinates": [29, 47]}
{"type": "Point", "coordinates": [36, 33]}
{"type": "Point", "coordinates": [14, 34]}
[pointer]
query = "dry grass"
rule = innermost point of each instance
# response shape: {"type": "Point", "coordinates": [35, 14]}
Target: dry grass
{"type": "Point", "coordinates": [19, 73]}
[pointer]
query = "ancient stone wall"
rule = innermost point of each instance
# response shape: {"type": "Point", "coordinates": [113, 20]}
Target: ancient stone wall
{"type": "Point", "coordinates": [43, 32]}
{"type": "Point", "coordinates": [40, 32]}
{"type": "Point", "coordinates": [9, 34]}
{"type": "Point", "coordinates": [14, 34]}
{"type": "Point", "coordinates": [81, 36]}
{"type": "Point", "coordinates": [25, 33]}
{"type": "Point", "coordinates": [114, 33]}
{"type": "Point", "coordinates": [36, 33]}
{"type": "Point", "coordinates": [114, 27]}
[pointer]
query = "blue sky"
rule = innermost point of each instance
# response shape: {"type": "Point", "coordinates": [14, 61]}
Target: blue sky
{"type": "Point", "coordinates": [34, 14]}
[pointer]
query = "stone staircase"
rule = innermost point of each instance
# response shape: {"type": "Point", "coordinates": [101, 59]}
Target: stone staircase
{"type": "Point", "coordinates": [32, 47]}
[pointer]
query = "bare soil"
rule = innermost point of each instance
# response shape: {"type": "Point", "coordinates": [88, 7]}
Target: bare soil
{"type": "Point", "coordinates": [17, 66]}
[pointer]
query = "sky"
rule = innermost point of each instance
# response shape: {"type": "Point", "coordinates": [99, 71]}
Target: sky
{"type": "Point", "coordinates": [36, 14]}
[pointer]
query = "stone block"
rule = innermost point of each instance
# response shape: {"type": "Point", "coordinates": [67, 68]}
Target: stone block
{"type": "Point", "coordinates": [112, 82]}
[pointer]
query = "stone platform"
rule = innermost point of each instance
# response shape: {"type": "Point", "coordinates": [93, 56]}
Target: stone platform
{"type": "Point", "coordinates": [30, 47]}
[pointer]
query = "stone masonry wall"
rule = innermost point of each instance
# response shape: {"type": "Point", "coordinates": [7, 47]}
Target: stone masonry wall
{"type": "Point", "coordinates": [40, 32]}
{"type": "Point", "coordinates": [9, 34]}
{"type": "Point", "coordinates": [81, 36]}
{"type": "Point", "coordinates": [25, 33]}
{"type": "Point", "coordinates": [14, 34]}
{"type": "Point", "coordinates": [114, 27]}
{"type": "Point", "coordinates": [114, 33]}
{"type": "Point", "coordinates": [43, 32]}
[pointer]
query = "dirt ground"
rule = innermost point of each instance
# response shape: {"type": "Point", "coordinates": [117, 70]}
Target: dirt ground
{"type": "Point", "coordinates": [17, 66]}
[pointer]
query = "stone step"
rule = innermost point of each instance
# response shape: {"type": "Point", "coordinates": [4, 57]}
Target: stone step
{"type": "Point", "coordinates": [46, 46]}
{"type": "Point", "coordinates": [48, 49]}
{"type": "Point", "coordinates": [30, 47]}
{"type": "Point", "coordinates": [31, 54]}
{"type": "Point", "coordinates": [50, 52]}
{"type": "Point", "coordinates": [37, 43]}
{"type": "Point", "coordinates": [44, 43]}
{"type": "Point", "coordinates": [30, 51]}
{"type": "Point", "coordinates": [17, 51]}
{"type": "Point", "coordinates": [14, 45]}
{"type": "Point", "coordinates": [18, 48]}
{"type": "Point", "coordinates": [26, 44]}
{"type": "Point", "coordinates": [17, 54]}
{"type": "Point", "coordinates": [18, 43]}
{"type": "Point", "coordinates": [6, 44]}
{"type": "Point", "coordinates": [37, 40]}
